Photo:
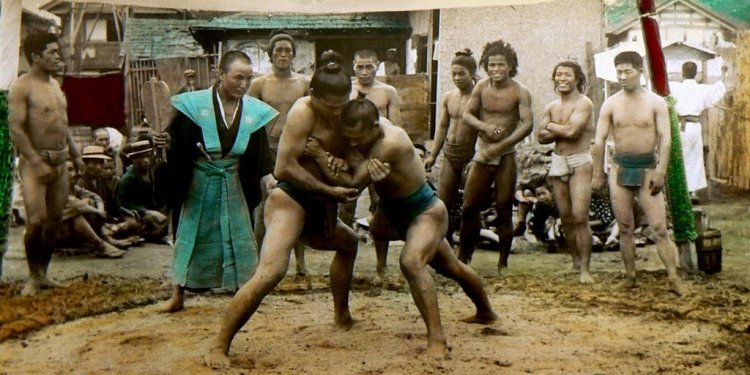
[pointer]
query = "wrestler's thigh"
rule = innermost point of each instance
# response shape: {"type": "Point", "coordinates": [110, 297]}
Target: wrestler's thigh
{"type": "Point", "coordinates": [622, 199]}
{"type": "Point", "coordinates": [343, 239]}
{"type": "Point", "coordinates": [580, 190]}
{"type": "Point", "coordinates": [381, 228]}
{"type": "Point", "coordinates": [424, 235]}
{"type": "Point", "coordinates": [34, 195]}
{"type": "Point", "coordinates": [505, 180]}
{"type": "Point", "coordinates": [478, 185]}
{"type": "Point", "coordinates": [653, 205]}
{"type": "Point", "coordinates": [561, 193]}
{"type": "Point", "coordinates": [450, 180]}
{"type": "Point", "coordinates": [284, 219]}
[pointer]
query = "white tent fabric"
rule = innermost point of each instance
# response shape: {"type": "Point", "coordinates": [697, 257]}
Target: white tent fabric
{"type": "Point", "coordinates": [604, 62]}
{"type": "Point", "coordinates": [10, 41]}
{"type": "Point", "coordinates": [313, 6]}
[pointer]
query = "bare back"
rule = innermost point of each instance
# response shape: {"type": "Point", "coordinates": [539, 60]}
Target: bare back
{"type": "Point", "coordinates": [566, 113]}
{"type": "Point", "coordinates": [458, 132]}
{"type": "Point", "coordinates": [40, 109]}
{"type": "Point", "coordinates": [303, 123]}
{"type": "Point", "coordinates": [280, 93]}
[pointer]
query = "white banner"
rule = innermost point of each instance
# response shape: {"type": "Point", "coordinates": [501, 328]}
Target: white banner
{"type": "Point", "coordinates": [10, 41]}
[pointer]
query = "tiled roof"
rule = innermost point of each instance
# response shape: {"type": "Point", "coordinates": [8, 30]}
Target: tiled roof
{"type": "Point", "coordinates": [620, 12]}
{"type": "Point", "coordinates": [245, 21]}
{"type": "Point", "coordinates": [160, 38]}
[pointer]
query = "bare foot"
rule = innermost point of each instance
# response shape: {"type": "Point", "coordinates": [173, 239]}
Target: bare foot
{"type": "Point", "coordinates": [586, 278]}
{"type": "Point", "coordinates": [345, 323]}
{"type": "Point", "coordinates": [485, 318]}
{"type": "Point", "coordinates": [216, 359]}
{"type": "Point", "coordinates": [440, 350]}
{"type": "Point", "coordinates": [629, 283]}
{"type": "Point", "coordinates": [173, 305]}
{"type": "Point", "coordinates": [302, 270]}
{"type": "Point", "coordinates": [502, 270]}
{"type": "Point", "coordinates": [31, 288]}
{"type": "Point", "coordinates": [677, 287]}
{"type": "Point", "coordinates": [46, 282]}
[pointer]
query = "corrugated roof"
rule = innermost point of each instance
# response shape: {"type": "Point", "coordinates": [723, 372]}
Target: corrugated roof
{"type": "Point", "coordinates": [159, 38]}
{"type": "Point", "coordinates": [245, 21]}
{"type": "Point", "coordinates": [617, 13]}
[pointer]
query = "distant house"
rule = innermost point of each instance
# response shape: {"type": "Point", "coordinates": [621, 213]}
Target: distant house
{"type": "Point", "coordinates": [690, 29]}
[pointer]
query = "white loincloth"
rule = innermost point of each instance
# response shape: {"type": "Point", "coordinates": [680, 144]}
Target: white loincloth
{"type": "Point", "coordinates": [563, 166]}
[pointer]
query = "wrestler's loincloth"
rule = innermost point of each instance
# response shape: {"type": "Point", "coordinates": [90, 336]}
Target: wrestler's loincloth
{"type": "Point", "coordinates": [632, 168]}
{"type": "Point", "coordinates": [54, 157]}
{"type": "Point", "coordinates": [563, 165]}
{"type": "Point", "coordinates": [458, 153]}
{"type": "Point", "coordinates": [321, 216]}
{"type": "Point", "coordinates": [401, 212]}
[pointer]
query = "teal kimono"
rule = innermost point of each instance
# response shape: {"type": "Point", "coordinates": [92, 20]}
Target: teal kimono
{"type": "Point", "coordinates": [215, 246]}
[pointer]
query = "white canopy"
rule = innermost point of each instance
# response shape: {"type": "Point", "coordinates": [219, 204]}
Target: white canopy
{"type": "Point", "coordinates": [312, 6]}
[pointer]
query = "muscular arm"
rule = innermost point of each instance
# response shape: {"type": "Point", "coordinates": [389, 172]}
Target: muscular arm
{"type": "Point", "coordinates": [663, 134]}
{"type": "Point", "coordinates": [543, 135]}
{"type": "Point", "coordinates": [470, 115]}
{"type": "Point", "coordinates": [440, 133]}
{"type": "Point", "coordinates": [394, 110]}
{"type": "Point", "coordinates": [524, 127]}
{"type": "Point", "coordinates": [299, 124]}
{"type": "Point", "coordinates": [18, 109]}
{"type": "Point", "coordinates": [600, 140]}
{"type": "Point", "coordinates": [577, 123]}
{"type": "Point", "coordinates": [358, 180]}
{"type": "Point", "coordinates": [256, 87]}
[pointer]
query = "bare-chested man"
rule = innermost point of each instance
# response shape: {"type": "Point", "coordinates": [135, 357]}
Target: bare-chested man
{"type": "Point", "coordinates": [500, 110]}
{"type": "Point", "coordinates": [639, 122]}
{"type": "Point", "coordinates": [452, 136]}
{"type": "Point", "coordinates": [383, 153]}
{"type": "Point", "coordinates": [39, 129]}
{"type": "Point", "coordinates": [302, 207]}
{"type": "Point", "coordinates": [280, 89]}
{"type": "Point", "coordinates": [385, 98]}
{"type": "Point", "coordinates": [568, 122]}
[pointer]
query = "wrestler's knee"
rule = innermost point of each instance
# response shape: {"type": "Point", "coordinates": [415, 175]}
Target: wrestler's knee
{"type": "Point", "coordinates": [410, 265]}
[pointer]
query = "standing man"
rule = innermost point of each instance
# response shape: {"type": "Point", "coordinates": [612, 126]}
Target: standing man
{"type": "Point", "coordinates": [456, 139]}
{"type": "Point", "coordinates": [280, 89]}
{"type": "Point", "coordinates": [639, 122]}
{"type": "Point", "coordinates": [383, 153]}
{"type": "Point", "coordinates": [190, 84]}
{"type": "Point", "coordinates": [383, 95]}
{"type": "Point", "coordinates": [385, 98]}
{"type": "Point", "coordinates": [301, 207]}
{"type": "Point", "coordinates": [39, 130]}
{"type": "Point", "coordinates": [390, 65]}
{"type": "Point", "coordinates": [568, 122]}
{"type": "Point", "coordinates": [693, 98]}
{"type": "Point", "coordinates": [500, 110]}
{"type": "Point", "coordinates": [218, 154]}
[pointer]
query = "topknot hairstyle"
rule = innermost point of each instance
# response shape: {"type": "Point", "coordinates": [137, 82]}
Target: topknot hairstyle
{"type": "Point", "coordinates": [329, 78]}
{"type": "Point", "coordinates": [464, 58]}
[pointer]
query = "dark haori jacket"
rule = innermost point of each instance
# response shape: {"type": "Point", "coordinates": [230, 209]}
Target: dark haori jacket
{"type": "Point", "coordinates": [186, 135]}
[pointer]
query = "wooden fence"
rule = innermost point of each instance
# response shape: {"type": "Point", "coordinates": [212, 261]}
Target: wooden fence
{"type": "Point", "coordinates": [729, 135]}
{"type": "Point", "coordinates": [169, 70]}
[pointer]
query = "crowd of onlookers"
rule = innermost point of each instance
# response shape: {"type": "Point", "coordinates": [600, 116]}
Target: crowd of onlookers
{"type": "Point", "coordinates": [113, 203]}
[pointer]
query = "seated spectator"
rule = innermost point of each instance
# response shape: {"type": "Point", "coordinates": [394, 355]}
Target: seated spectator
{"type": "Point", "coordinates": [110, 140]}
{"type": "Point", "coordinates": [138, 193]}
{"type": "Point", "coordinates": [603, 224]}
{"type": "Point", "coordinates": [76, 229]}
{"type": "Point", "coordinates": [544, 221]}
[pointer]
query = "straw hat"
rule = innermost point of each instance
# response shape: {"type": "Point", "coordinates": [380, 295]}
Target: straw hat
{"type": "Point", "coordinates": [94, 152]}
{"type": "Point", "coordinates": [138, 148]}
{"type": "Point", "coordinates": [189, 73]}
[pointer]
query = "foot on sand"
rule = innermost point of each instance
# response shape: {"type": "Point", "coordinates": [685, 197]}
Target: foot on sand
{"type": "Point", "coordinates": [485, 318]}
{"type": "Point", "coordinates": [437, 350]}
{"type": "Point", "coordinates": [676, 286]}
{"type": "Point", "coordinates": [629, 283]}
{"type": "Point", "coordinates": [173, 305]}
{"type": "Point", "coordinates": [344, 323]}
{"type": "Point", "coordinates": [216, 359]}
{"type": "Point", "coordinates": [586, 278]}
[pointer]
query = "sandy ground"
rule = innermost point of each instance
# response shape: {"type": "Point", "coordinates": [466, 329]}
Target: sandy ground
{"type": "Point", "coordinates": [106, 323]}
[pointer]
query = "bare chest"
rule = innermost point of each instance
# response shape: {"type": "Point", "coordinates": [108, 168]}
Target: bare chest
{"type": "Point", "coordinates": [500, 102]}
